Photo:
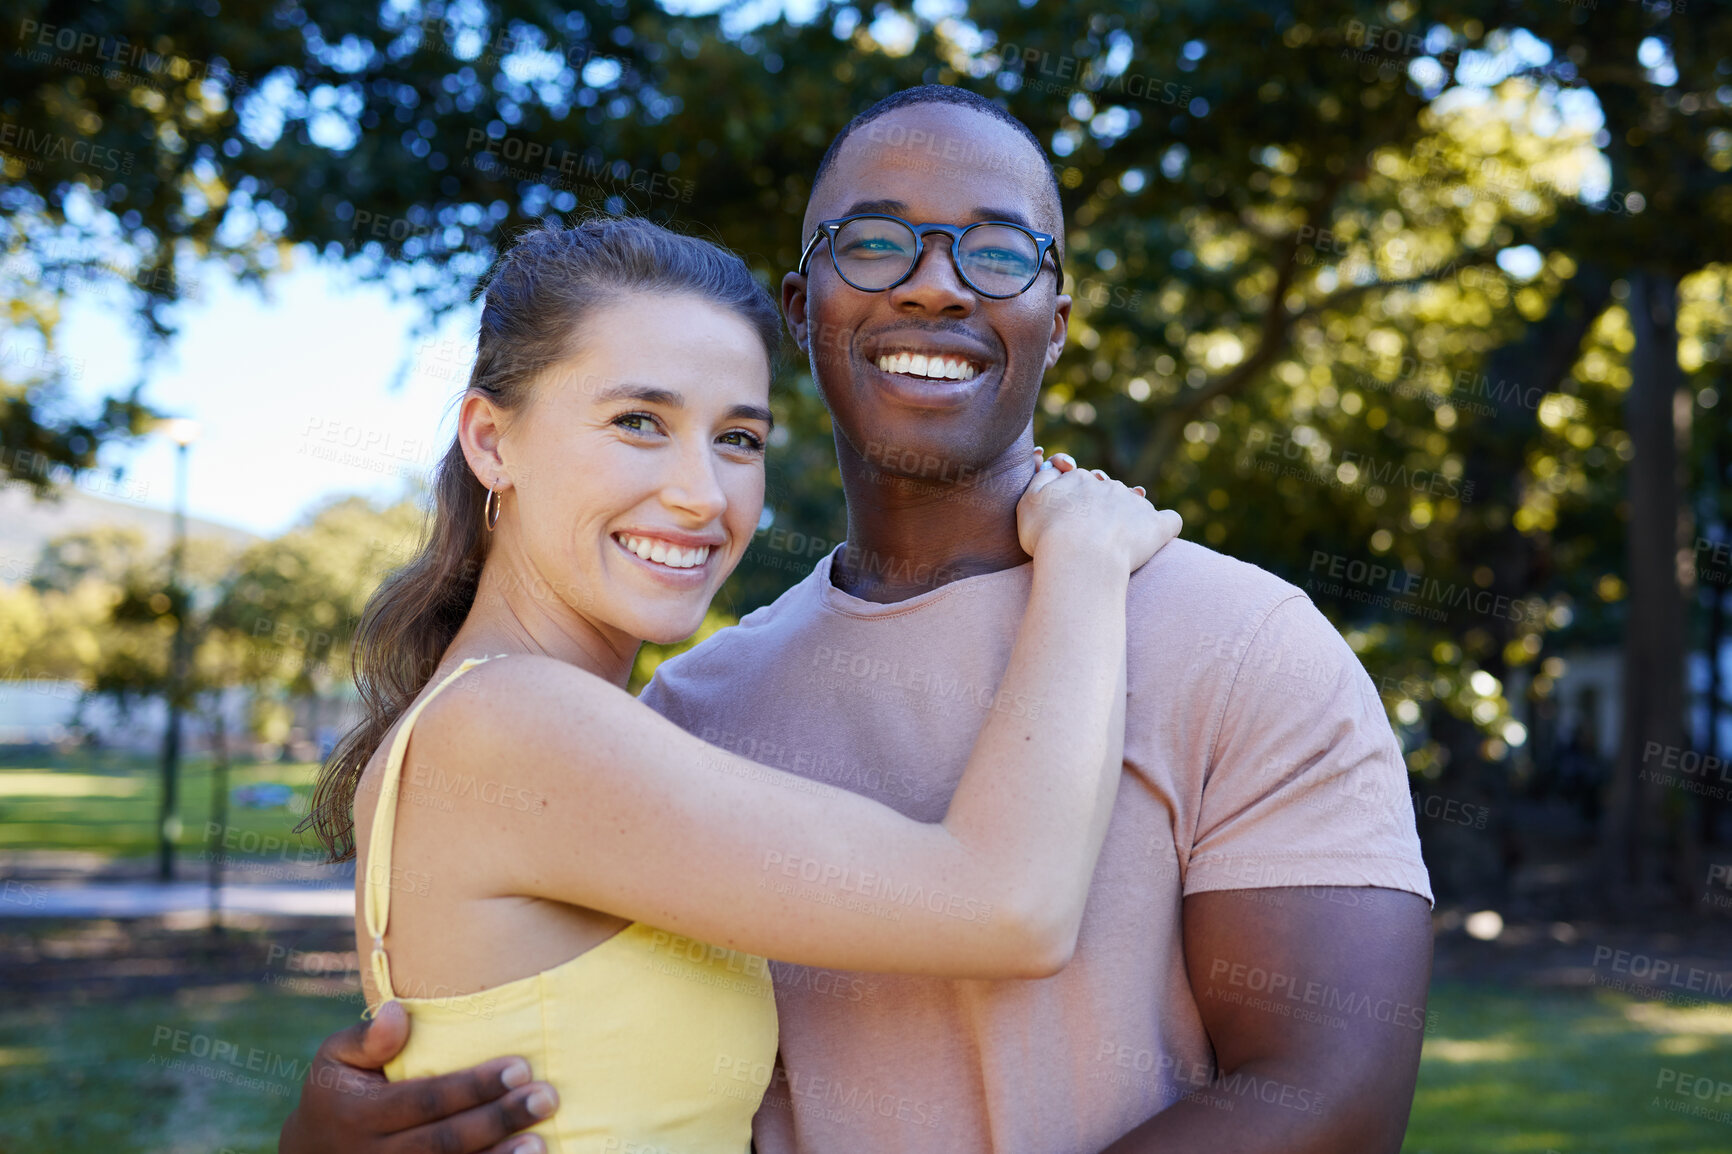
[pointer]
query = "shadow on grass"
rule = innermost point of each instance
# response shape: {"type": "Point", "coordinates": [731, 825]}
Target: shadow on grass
{"type": "Point", "coordinates": [209, 1070]}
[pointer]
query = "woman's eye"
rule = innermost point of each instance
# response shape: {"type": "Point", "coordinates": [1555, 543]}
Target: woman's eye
{"type": "Point", "coordinates": [744, 439]}
{"type": "Point", "coordinates": [636, 422]}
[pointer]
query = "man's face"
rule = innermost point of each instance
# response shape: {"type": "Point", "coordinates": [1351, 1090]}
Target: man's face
{"type": "Point", "coordinates": [948, 165]}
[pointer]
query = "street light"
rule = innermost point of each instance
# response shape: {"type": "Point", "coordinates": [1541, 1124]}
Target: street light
{"type": "Point", "coordinates": [183, 433]}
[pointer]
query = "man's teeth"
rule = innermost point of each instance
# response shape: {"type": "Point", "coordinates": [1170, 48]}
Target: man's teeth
{"type": "Point", "coordinates": [662, 553]}
{"type": "Point", "coordinates": [931, 367]}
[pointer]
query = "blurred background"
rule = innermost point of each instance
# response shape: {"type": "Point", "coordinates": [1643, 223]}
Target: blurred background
{"type": "Point", "coordinates": [1424, 307]}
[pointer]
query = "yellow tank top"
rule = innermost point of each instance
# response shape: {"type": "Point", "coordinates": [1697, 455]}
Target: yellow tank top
{"type": "Point", "coordinates": [657, 1044]}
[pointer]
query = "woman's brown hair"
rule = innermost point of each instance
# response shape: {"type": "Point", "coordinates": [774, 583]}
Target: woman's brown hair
{"type": "Point", "coordinates": [538, 295]}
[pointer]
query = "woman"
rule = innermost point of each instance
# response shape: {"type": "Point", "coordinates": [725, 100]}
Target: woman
{"type": "Point", "coordinates": [575, 878]}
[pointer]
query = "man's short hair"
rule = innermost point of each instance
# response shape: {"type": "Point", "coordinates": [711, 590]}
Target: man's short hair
{"type": "Point", "coordinates": [943, 94]}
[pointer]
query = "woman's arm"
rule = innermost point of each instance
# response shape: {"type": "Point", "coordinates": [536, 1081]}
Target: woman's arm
{"type": "Point", "coordinates": [643, 820]}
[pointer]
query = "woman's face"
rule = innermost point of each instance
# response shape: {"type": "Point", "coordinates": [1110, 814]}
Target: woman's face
{"type": "Point", "coordinates": [638, 465]}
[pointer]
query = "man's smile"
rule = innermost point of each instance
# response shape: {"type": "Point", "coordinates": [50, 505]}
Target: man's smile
{"type": "Point", "coordinates": [932, 366]}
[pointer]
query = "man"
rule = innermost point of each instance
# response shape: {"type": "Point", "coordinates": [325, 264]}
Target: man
{"type": "Point", "coordinates": [1252, 967]}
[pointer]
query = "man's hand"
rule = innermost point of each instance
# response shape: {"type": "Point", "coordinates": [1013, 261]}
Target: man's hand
{"type": "Point", "coordinates": [347, 1104]}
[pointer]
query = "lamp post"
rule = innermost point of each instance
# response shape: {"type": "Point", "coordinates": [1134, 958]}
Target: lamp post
{"type": "Point", "coordinates": [183, 433]}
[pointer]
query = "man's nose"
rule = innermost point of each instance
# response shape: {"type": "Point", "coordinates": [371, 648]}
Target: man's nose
{"type": "Point", "coordinates": [935, 285]}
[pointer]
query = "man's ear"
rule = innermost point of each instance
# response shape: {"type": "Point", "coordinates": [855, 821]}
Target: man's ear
{"type": "Point", "coordinates": [794, 308]}
{"type": "Point", "coordinates": [1060, 326]}
{"type": "Point", "coordinates": [480, 426]}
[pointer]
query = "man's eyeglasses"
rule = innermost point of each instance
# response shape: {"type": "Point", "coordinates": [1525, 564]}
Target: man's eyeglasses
{"type": "Point", "coordinates": [874, 251]}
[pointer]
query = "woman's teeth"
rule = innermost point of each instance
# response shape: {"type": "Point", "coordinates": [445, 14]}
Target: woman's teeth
{"type": "Point", "coordinates": [662, 553]}
{"type": "Point", "coordinates": [933, 368]}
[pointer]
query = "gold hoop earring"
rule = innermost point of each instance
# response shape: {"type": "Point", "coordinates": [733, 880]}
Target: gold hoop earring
{"type": "Point", "coordinates": [490, 509]}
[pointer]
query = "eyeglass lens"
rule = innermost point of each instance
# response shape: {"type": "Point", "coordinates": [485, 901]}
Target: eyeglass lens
{"type": "Point", "coordinates": [998, 260]}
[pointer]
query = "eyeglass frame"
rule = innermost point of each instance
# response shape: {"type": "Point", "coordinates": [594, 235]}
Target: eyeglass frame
{"type": "Point", "coordinates": [827, 229]}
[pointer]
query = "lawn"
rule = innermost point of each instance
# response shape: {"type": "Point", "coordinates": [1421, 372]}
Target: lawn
{"type": "Point", "coordinates": [1574, 1072]}
{"type": "Point", "coordinates": [108, 803]}
{"type": "Point", "coordinates": [214, 1068]}
{"type": "Point", "coordinates": [217, 1068]}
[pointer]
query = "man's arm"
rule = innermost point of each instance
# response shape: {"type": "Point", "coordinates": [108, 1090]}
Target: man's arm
{"type": "Point", "coordinates": [1314, 1001]}
{"type": "Point", "coordinates": [347, 1105]}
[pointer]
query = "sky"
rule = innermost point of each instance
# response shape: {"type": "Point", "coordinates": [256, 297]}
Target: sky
{"type": "Point", "coordinates": [293, 391]}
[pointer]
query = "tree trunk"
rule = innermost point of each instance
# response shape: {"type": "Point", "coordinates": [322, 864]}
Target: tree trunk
{"type": "Point", "coordinates": [1657, 413]}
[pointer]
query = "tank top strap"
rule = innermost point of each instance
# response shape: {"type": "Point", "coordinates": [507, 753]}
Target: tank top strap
{"type": "Point", "coordinates": [376, 901]}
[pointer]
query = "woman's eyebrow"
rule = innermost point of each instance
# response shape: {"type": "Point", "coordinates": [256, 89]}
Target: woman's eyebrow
{"type": "Point", "coordinates": [653, 395]}
{"type": "Point", "coordinates": [648, 394]}
{"type": "Point", "coordinates": [751, 413]}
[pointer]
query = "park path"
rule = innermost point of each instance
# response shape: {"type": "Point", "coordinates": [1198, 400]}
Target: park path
{"type": "Point", "coordinates": [143, 899]}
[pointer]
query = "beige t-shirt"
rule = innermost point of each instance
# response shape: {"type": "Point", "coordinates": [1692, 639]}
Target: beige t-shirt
{"type": "Point", "coordinates": [1257, 754]}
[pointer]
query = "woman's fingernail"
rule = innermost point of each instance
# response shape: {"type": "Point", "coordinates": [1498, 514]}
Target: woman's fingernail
{"type": "Point", "coordinates": [515, 1075]}
{"type": "Point", "coordinates": [540, 1104]}
{"type": "Point", "coordinates": [530, 1145]}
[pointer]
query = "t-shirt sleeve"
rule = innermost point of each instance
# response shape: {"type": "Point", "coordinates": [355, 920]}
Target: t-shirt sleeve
{"type": "Point", "coordinates": [1306, 784]}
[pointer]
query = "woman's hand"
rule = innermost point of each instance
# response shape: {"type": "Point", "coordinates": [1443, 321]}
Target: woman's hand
{"type": "Point", "coordinates": [1066, 508]}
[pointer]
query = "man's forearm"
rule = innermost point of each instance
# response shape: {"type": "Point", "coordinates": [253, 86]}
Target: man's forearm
{"type": "Point", "coordinates": [1273, 1107]}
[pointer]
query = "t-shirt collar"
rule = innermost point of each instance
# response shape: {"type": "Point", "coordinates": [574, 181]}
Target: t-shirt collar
{"type": "Point", "coordinates": [839, 601]}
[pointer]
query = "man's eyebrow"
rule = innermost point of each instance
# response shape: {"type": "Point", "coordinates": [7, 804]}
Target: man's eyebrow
{"type": "Point", "coordinates": [650, 395]}
{"type": "Point", "coordinates": [891, 206]}
{"type": "Point", "coordinates": [898, 208]}
{"type": "Point", "coordinates": [1007, 214]}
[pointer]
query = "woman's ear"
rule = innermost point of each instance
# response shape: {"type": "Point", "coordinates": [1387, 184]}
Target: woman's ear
{"type": "Point", "coordinates": [480, 427]}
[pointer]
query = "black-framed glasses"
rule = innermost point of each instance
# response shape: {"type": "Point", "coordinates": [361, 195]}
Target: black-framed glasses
{"type": "Point", "coordinates": [874, 251]}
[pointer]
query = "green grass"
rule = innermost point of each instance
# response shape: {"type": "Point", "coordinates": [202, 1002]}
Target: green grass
{"type": "Point", "coordinates": [211, 1070]}
{"type": "Point", "coordinates": [108, 803]}
{"type": "Point", "coordinates": [1519, 1071]}
{"type": "Point", "coordinates": [1505, 1071]}
{"type": "Point", "coordinates": [1574, 1072]}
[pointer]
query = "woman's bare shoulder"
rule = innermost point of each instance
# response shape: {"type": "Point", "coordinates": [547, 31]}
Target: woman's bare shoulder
{"type": "Point", "coordinates": [508, 709]}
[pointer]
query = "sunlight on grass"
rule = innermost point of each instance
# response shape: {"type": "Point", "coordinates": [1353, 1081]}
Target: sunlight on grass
{"type": "Point", "coordinates": [1586, 1073]}
{"type": "Point", "coordinates": [1664, 1019]}
{"type": "Point", "coordinates": [107, 803]}
{"type": "Point", "coordinates": [1489, 1050]}
{"type": "Point", "coordinates": [34, 784]}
